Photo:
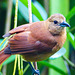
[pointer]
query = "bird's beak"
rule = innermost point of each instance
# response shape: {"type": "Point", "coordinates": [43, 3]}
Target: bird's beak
{"type": "Point", "coordinates": [64, 24]}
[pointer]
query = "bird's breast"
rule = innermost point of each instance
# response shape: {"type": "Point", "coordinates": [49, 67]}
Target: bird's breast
{"type": "Point", "coordinates": [60, 41]}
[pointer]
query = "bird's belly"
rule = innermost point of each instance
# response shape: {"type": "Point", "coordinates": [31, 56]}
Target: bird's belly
{"type": "Point", "coordinates": [36, 57]}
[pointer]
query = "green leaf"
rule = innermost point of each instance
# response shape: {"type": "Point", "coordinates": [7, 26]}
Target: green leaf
{"type": "Point", "coordinates": [45, 63]}
{"type": "Point", "coordinates": [71, 13]}
{"type": "Point", "coordinates": [74, 38]}
{"type": "Point", "coordinates": [24, 11]}
{"type": "Point", "coordinates": [1, 40]}
{"type": "Point", "coordinates": [70, 36]}
{"type": "Point", "coordinates": [58, 54]}
{"type": "Point", "coordinates": [34, 9]}
{"type": "Point", "coordinates": [1, 73]}
{"type": "Point", "coordinates": [41, 10]}
{"type": "Point", "coordinates": [9, 60]}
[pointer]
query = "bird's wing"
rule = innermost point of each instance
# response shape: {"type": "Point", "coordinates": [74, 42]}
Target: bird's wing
{"type": "Point", "coordinates": [19, 44]}
{"type": "Point", "coordinates": [38, 39]}
{"type": "Point", "coordinates": [22, 43]}
{"type": "Point", "coordinates": [17, 30]}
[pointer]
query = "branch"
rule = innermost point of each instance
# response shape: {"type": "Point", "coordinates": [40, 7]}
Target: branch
{"type": "Point", "coordinates": [69, 62]}
{"type": "Point", "coordinates": [30, 21]}
{"type": "Point", "coordinates": [30, 11]}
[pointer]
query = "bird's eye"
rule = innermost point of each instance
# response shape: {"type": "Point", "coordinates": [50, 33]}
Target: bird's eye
{"type": "Point", "coordinates": [55, 22]}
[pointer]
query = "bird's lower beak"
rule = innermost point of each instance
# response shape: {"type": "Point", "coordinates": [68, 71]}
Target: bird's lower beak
{"type": "Point", "coordinates": [64, 24]}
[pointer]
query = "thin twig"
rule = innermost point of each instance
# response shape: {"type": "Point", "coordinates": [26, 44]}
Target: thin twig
{"type": "Point", "coordinates": [30, 21]}
{"type": "Point", "coordinates": [68, 70]}
{"type": "Point", "coordinates": [69, 62]}
{"type": "Point", "coordinates": [8, 16]}
{"type": "Point", "coordinates": [15, 25]}
{"type": "Point", "coordinates": [16, 11]}
{"type": "Point", "coordinates": [7, 27]}
{"type": "Point", "coordinates": [35, 65]}
{"type": "Point", "coordinates": [25, 69]}
{"type": "Point", "coordinates": [3, 41]}
{"type": "Point", "coordinates": [15, 65]}
{"type": "Point", "coordinates": [30, 11]}
{"type": "Point", "coordinates": [19, 64]}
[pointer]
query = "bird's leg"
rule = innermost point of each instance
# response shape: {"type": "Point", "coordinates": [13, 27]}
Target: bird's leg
{"type": "Point", "coordinates": [33, 70]}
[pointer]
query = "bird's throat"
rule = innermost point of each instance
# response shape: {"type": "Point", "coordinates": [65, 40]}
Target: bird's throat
{"type": "Point", "coordinates": [56, 31]}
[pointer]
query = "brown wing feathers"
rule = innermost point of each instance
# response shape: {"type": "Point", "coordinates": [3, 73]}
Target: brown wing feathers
{"type": "Point", "coordinates": [17, 30]}
{"type": "Point", "coordinates": [22, 43]}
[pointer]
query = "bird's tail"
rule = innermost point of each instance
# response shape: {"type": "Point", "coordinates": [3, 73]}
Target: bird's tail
{"type": "Point", "coordinates": [3, 56]}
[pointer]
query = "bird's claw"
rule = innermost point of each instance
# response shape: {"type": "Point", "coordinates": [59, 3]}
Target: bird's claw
{"type": "Point", "coordinates": [36, 72]}
{"type": "Point", "coordinates": [33, 70]}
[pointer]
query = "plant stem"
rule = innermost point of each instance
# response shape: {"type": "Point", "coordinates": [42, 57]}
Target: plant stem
{"type": "Point", "coordinates": [67, 67]}
{"type": "Point", "coordinates": [16, 11]}
{"type": "Point", "coordinates": [0, 67]}
{"type": "Point", "coordinates": [69, 62]}
{"type": "Point", "coordinates": [4, 45]}
{"type": "Point", "coordinates": [7, 27]}
{"type": "Point", "coordinates": [46, 5]}
{"type": "Point", "coordinates": [3, 41]}
{"type": "Point", "coordinates": [15, 25]}
{"type": "Point", "coordinates": [30, 21]}
{"type": "Point", "coordinates": [8, 16]}
{"type": "Point", "coordinates": [15, 65]}
{"type": "Point", "coordinates": [30, 11]}
{"type": "Point", "coordinates": [19, 64]}
{"type": "Point", "coordinates": [35, 65]}
{"type": "Point", "coordinates": [25, 69]}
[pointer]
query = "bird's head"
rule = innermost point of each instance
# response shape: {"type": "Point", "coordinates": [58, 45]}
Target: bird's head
{"type": "Point", "coordinates": [57, 23]}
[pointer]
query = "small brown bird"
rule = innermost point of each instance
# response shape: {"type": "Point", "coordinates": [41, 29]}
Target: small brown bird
{"type": "Point", "coordinates": [36, 41]}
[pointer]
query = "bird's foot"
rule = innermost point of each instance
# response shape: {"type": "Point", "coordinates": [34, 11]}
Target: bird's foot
{"type": "Point", "coordinates": [33, 70]}
{"type": "Point", "coordinates": [36, 72]}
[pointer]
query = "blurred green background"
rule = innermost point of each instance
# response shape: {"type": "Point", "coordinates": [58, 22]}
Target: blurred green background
{"type": "Point", "coordinates": [41, 9]}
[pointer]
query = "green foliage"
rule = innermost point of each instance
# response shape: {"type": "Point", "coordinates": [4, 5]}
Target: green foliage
{"type": "Point", "coordinates": [71, 38]}
{"type": "Point", "coordinates": [9, 60]}
{"type": "Point", "coordinates": [34, 9]}
{"type": "Point", "coordinates": [71, 13]}
{"type": "Point", "coordinates": [59, 53]}
{"type": "Point", "coordinates": [24, 11]}
{"type": "Point", "coordinates": [56, 66]}
{"type": "Point", "coordinates": [45, 63]}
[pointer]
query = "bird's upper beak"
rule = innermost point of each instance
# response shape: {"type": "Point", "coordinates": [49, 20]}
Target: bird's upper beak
{"type": "Point", "coordinates": [64, 24]}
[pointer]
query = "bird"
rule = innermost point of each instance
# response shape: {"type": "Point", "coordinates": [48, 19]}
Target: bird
{"type": "Point", "coordinates": [36, 41]}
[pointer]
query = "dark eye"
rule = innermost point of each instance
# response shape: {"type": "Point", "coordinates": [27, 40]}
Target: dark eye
{"type": "Point", "coordinates": [55, 22]}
